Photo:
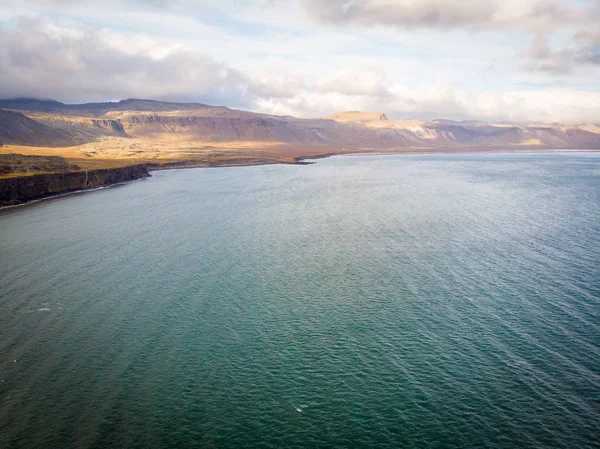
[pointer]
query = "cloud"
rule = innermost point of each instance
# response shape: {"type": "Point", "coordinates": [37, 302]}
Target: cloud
{"type": "Point", "coordinates": [543, 58]}
{"type": "Point", "coordinates": [275, 79]}
{"type": "Point", "coordinates": [41, 60]}
{"type": "Point", "coordinates": [369, 81]}
{"type": "Point", "coordinates": [63, 3]}
{"type": "Point", "coordinates": [588, 42]}
{"type": "Point", "coordinates": [582, 52]}
{"type": "Point", "coordinates": [307, 74]}
{"type": "Point", "coordinates": [537, 18]}
{"type": "Point", "coordinates": [441, 100]}
{"type": "Point", "coordinates": [482, 15]}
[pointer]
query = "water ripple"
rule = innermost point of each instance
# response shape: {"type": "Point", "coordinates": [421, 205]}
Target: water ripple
{"type": "Point", "coordinates": [405, 301]}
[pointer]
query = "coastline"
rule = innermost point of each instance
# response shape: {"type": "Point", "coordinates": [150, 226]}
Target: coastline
{"type": "Point", "coordinates": [468, 151]}
{"type": "Point", "coordinates": [32, 188]}
{"type": "Point", "coordinates": [16, 191]}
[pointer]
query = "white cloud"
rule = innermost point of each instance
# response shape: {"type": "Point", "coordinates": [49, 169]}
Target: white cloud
{"type": "Point", "coordinates": [368, 81]}
{"type": "Point", "coordinates": [537, 18]}
{"type": "Point", "coordinates": [276, 79]}
{"type": "Point", "coordinates": [446, 14]}
{"type": "Point", "coordinates": [82, 65]}
{"type": "Point", "coordinates": [445, 101]}
{"type": "Point", "coordinates": [405, 58]}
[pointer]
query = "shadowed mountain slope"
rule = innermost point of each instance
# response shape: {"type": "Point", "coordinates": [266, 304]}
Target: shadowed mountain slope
{"type": "Point", "coordinates": [16, 128]}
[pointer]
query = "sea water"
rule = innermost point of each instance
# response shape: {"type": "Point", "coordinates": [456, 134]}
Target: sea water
{"type": "Point", "coordinates": [439, 301]}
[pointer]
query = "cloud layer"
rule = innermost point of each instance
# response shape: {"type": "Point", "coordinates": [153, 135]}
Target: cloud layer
{"type": "Point", "coordinates": [443, 101]}
{"type": "Point", "coordinates": [538, 18]}
{"type": "Point", "coordinates": [42, 60]}
{"type": "Point", "coordinates": [483, 15]}
{"type": "Point", "coordinates": [527, 60]}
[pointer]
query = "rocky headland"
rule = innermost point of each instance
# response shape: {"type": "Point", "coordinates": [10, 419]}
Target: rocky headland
{"type": "Point", "coordinates": [22, 189]}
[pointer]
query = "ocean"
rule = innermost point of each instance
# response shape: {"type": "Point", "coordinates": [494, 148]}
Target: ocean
{"type": "Point", "coordinates": [409, 301]}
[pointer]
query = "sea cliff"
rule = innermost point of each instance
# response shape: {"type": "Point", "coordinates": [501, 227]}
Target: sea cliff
{"type": "Point", "coordinates": [19, 190]}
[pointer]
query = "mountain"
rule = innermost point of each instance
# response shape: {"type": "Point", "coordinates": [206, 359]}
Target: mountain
{"type": "Point", "coordinates": [137, 124]}
{"type": "Point", "coordinates": [16, 128]}
{"type": "Point", "coordinates": [131, 104]}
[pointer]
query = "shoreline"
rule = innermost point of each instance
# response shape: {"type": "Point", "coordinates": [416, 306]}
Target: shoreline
{"type": "Point", "coordinates": [67, 193]}
{"type": "Point", "coordinates": [471, 151]}
{"type": "Point", "coordinates": [145, 170]}
{"type": "Point", "coordinates": [15, 191]}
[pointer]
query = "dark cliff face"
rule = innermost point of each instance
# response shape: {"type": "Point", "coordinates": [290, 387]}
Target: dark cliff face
{"type": "Point", "coordinates": [20, 190]}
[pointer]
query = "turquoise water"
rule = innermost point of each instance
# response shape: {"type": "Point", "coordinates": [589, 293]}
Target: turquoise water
{"type": "Point", "coordinates": [381, 301]}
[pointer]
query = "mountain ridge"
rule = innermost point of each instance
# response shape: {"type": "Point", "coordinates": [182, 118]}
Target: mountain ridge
{"type": "Point", "coordinates": [141, 123]}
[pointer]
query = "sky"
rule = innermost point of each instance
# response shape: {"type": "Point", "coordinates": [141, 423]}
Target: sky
{"type": "Point", "coordinates": [495, 60]}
